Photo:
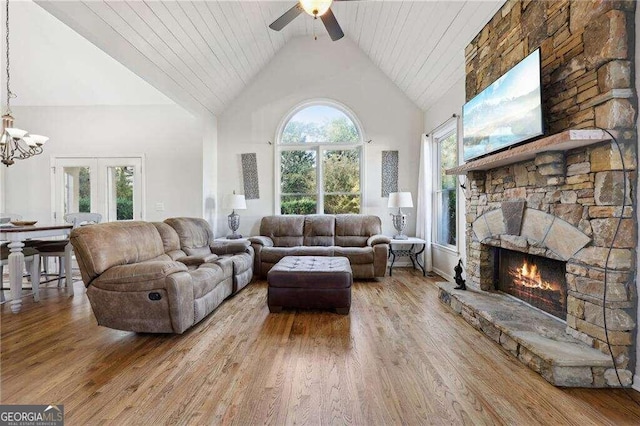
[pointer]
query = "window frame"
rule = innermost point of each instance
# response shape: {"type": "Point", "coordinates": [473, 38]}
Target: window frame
{"type": "Point", "coordinates": [320, 148]}
{"type": "Point", "coordinates": [441, 133]}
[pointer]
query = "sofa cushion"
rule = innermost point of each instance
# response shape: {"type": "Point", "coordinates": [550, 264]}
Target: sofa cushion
{"type": "Point", "coordinates": [127, 242]}
{"type": "Point", "coordinates": [141, 276]}
{"type": "Point", "coordinates": [198, 260]}
{"type": "Point", "coordinates": [241, 262]}
{"type": "Point", "coordinates": [319, 230]}
{"type": "Point", "coordinates": [284, 231]}
{"type": "Point", "coordinates": [195, 234]}
{"type": "Point", "coordinates": [205, 279]}
{"type": "Point", "coordinates": [356, 255]}
{"type": "Point", "coordinates": [353, 230]}
{"type": "Point", "coordinates": [274, 254]}
{"type": "Point", "coordinates": [170, 240]}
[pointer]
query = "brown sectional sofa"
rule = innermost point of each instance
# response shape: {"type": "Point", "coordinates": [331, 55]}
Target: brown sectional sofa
{"type": "Point", "coordinates": [158, 277]}
{"type": "Point", "coordinates": [354, 236]}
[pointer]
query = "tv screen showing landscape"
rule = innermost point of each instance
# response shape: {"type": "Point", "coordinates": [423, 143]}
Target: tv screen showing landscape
{"type": "Point", "coordinates": [507, 112]}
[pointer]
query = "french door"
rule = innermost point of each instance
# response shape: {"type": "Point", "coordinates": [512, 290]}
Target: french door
{"type": "Point", "coordinates": [111, 186]}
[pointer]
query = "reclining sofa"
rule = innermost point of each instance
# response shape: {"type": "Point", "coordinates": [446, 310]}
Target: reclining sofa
{"type": "Point", "coordinates": [158, 277]}
{"type": "Point", "coordinates": [354, 236]}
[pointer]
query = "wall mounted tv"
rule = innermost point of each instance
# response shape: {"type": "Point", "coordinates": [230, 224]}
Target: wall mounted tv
{"type": "Point", "coordinates": [506, 113]}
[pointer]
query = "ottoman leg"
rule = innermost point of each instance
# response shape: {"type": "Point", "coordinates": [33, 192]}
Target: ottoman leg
{"type": "Point", "coordinates": [342, 311]}
{"type": "Point", "coordinates": [275, 309]}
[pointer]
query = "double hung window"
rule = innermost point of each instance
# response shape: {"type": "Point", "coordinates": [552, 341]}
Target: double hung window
{"type": "Point", "coordinates": [446, 194]}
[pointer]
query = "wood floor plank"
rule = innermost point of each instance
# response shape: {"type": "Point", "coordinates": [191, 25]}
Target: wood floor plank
{"type": "Point", "coordinates": [399, 357]}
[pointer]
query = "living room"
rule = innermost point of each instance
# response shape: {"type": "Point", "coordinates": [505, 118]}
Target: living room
{"type": "Point", "coordinates": [196, 117]}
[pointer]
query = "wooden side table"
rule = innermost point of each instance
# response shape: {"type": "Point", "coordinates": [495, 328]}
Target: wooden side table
{"type": "Point", "coordinates": [417, 247]}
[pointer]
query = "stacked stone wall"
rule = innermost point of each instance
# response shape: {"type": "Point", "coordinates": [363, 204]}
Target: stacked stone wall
{"type": "Point", "coordinates": [587, 74]}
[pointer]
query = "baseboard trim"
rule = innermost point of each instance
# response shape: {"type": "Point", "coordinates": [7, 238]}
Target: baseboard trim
{"type": "Point", "coordinates": [443, 274]}
{"type": "Point", "coordinates": [636, 382]}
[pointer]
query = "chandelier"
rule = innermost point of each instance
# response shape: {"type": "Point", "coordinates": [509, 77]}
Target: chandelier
{"type": "Point", "coordinates": [16, 144]}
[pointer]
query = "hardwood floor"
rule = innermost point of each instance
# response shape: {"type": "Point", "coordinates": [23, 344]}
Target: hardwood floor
{"type": "Point", "coordinates": [400, 357]}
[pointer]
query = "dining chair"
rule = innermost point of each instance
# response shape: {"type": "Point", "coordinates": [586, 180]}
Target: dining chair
{"type": "Point", "coordinates": [55, 248]}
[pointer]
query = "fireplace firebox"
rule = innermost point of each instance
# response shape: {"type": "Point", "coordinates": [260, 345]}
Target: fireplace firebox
{"type": "Point", "coordinates": [537, 280]}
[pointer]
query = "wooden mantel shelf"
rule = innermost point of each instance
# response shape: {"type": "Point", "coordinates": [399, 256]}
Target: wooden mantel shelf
{"type": "Point", "coordinates": [569, 139]}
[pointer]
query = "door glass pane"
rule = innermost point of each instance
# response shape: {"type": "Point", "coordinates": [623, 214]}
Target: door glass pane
{"type": "Point", "coordinates": [120, 192]}
{"type": "Point", "coordinates": [77, 190]}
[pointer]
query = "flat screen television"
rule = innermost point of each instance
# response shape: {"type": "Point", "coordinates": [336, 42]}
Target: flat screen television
{"type": "Point", "coordinates": [506, 113]}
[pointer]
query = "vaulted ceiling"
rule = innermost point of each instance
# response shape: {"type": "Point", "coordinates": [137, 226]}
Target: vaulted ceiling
{"type": "Point", "coordinates": [203, 53]}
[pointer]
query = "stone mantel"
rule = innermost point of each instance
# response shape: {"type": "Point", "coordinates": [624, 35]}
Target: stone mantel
{"type": "Point", "coordinates": [564, 141]}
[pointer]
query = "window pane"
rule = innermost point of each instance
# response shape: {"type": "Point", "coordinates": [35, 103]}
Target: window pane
{"type": "Point", "coordinates": [337, 204]}
{"type": "Point", "coordinates": [447, 218]}
{"type": "Point", "coordinates": [341, 171]}
{"type": "Point", "coordinates": [120, 192]}
{"type": "Point", "coordinates": [298, 172]}
{"type": "Point", "coordinates": [77, 190]}
{"type": "Point", "coordinates": [320, 123]}
{"type": "Point", "coordinates": [447, 191]}
{"type": "Point", "coordinates": [298, 204]}
{"type": "Point", "coordinates": [448, 160]}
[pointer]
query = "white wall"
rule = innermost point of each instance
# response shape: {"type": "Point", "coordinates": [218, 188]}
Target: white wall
{"type": "Point", "coordinates": [306, 69]}
{"type": "Point", "coordinates": [52, 65]}
{"type": "Point", "coordinates": [90, 104]}
{"type": "Point", "coordinates": [210, 171]}
{"type": "Point", "coordinates": [169, 138]}
{"type": "Point", "coordinates": [442, 110]}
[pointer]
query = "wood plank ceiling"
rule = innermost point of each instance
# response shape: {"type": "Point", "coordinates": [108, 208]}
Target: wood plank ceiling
{"type": "Point", "coordinates": [203, 53]}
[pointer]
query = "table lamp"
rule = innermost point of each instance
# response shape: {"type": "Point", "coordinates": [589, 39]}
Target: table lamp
{"type": "Point", "coordinates": [233, 202]}
{"type": "Point", "coordinates": [399, 200]}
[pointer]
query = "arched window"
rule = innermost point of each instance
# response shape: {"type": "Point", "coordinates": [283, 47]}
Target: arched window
{"type": "Point", "coordinates": [319, 160]}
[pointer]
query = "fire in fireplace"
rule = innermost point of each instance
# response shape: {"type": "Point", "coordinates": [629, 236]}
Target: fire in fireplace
{"type": "Point", "coordinates": [539, 281]}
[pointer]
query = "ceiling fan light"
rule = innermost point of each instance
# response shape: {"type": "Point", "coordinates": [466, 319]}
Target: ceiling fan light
{"type": "Point", "coordinates": [316, 7]}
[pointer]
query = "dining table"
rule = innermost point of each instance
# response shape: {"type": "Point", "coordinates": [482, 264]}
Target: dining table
{"type": "Point", "coordinates": [16, 236]}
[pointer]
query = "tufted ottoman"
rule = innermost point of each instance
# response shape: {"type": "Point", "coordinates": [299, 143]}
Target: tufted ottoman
{"type": "Point", "coordinates": [317, 282]}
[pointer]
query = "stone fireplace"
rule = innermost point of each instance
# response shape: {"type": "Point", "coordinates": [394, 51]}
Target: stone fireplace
{"type": "Point", "coordinates": [568, 198]}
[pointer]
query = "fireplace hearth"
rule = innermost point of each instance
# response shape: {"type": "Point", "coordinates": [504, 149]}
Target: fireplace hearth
{"type": "Point", "coordinates": [537, 280]}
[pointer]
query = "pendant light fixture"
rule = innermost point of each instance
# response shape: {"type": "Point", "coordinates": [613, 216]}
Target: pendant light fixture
{"type": "Point", "coordinates": [16, 144]}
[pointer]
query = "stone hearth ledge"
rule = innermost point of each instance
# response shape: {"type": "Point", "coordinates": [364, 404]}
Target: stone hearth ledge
{"type": "Point", "coordinates": [536, 339]}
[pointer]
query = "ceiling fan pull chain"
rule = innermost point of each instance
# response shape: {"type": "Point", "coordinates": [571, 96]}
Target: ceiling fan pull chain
{"type": "Point", "coordinates": [315, 19]}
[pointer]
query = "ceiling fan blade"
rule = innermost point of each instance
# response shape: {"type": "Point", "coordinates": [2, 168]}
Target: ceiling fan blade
{"type": "Point", "coordinates": [331, 24]}
{"type": "Point", "coordinates": [287, 17]}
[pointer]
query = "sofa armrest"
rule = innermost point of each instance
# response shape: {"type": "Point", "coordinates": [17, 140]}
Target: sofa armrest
{"type": "Point", "coordinates": [141, 276]}
{"type": "Point", "coordinates": [378, 239]}
{"type": "Point", "coordinates": [230, 247]}
{"type": "Point", "coordinates": [198, 260]}
{"type": "Point", "coordinates": [261, 240]}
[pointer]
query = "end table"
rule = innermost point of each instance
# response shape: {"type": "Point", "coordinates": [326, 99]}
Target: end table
{"type": "Point", "coordinates": [417, 247]}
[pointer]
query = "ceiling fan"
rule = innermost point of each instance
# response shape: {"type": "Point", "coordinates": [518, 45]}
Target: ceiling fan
{"type": "Point", "coordinates": [315, 8]}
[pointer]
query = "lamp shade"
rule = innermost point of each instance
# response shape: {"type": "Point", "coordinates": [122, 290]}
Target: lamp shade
{"type": "Point", "coordinates": [235, 202]}
{"type": "Point", "coordinates": [16, 133]}
{"type": "Point", "coordinates": [400, 199]}
{"type": "Point", "coordinates": [39, 139]}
